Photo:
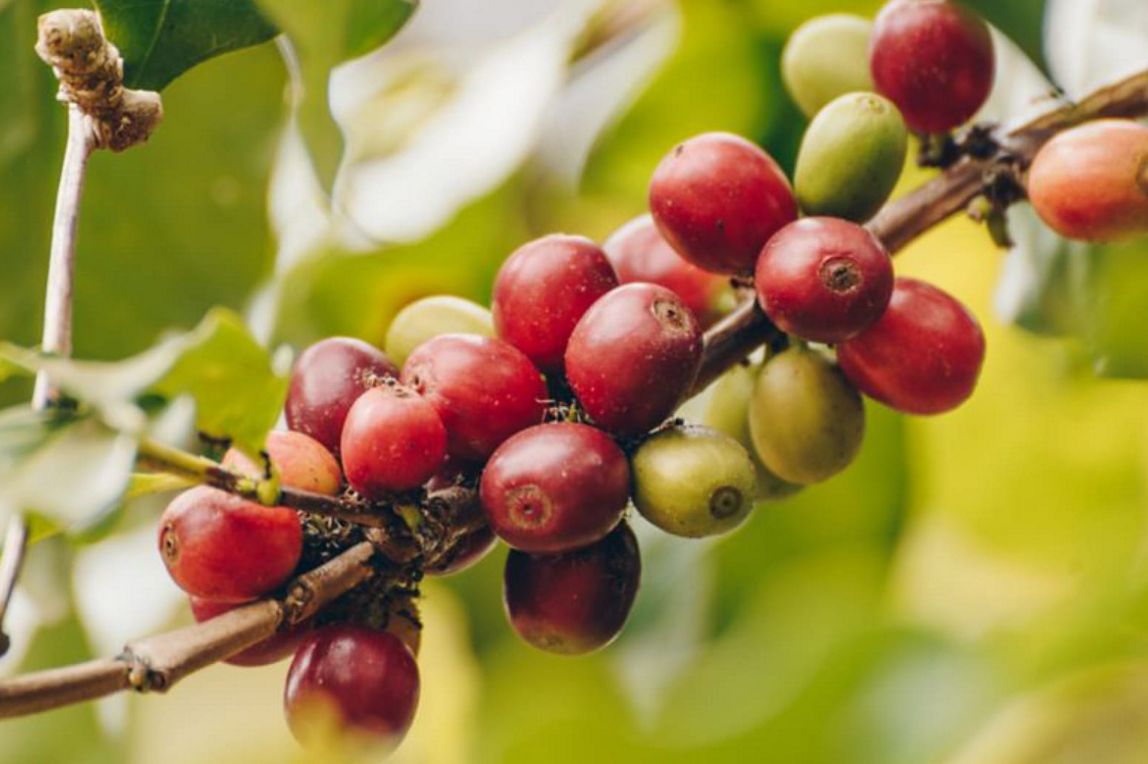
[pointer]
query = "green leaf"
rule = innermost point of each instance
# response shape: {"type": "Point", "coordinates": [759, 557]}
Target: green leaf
{"type": "Point", "coordinates": [1114, 293]}
{"type": "Point", "coordinates": [161, 39]}
{"type": "Point", "coordinates": [238, 393]}
{"type": "Point", "coordinates": [325, 35]}
{"type": "Point", "coordinates": [1021, 20]}
{"type": "Point", "coordinates": [69, 472]}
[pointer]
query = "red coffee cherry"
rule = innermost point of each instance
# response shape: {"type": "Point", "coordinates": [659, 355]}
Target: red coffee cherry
{"type": "Point", "coordinates": [327, 379]}
{"type": "Point", "coordinates": [302, 462]}
{"type": "Point", "coordinates": [483, 389]}
{"type": "Point", "coordinates": [633, 357]}
{"type": "Point", "coordinates": [271, 650]}
{"type": "Point", "coordinates": [220, 547]}
{"type": "Point", "coordinates": [923, 356]}
{"type": "Point", "coordinates": [575, 602]}
{"type": "Point", "coordinates": [717, 198]}
{"type": "Point", "coordinates": [1091, 182]}
{"type": "Point", "coordinates": [393, 441]}
{"type": "Point", "coordinates": [824, 279]}
{"type": "Point", "coordinates": [555, 487]}
{"type": "Point", "coordinates": [934, 59]}
{"type": "Point", "coordinates": [639, 253]}
{"type": "Point", "coordinates": [542, 290]}
{"type": "Point", "coordinates": [364, 680]}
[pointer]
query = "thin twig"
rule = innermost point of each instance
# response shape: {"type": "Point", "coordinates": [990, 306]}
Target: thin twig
{"type": "Point", "coordinates": [15, 545]}
{"type": "Point", "coordinates": [157, 663]}
{"type": "Point", "coordinates": [906, 218]}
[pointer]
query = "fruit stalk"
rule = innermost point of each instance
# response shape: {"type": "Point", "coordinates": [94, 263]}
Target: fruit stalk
{"type": "Point", "coordinates": [156, 663]}
{"type": "Point", "coordinates": [904, 219]}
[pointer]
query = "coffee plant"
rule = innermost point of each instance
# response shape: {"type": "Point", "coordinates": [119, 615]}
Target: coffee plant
{"type": "Point", "coordinates": [559, 419]}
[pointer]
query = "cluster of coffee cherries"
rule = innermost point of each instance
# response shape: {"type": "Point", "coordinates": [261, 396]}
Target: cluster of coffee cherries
{"type": "Point", "coordinates": [560, 407]}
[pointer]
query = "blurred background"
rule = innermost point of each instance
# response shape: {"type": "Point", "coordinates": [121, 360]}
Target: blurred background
{"type": "Point", "coordinates": [974, 589]}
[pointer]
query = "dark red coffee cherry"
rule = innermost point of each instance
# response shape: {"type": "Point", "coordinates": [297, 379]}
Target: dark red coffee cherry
{"type": "Point", "coordinates": [361, 681]}
{"type": "Point", "coordinates": [327, 379]}
{"type": "Point", "coordinates": [923, 356]}
{"type": "Point", "coordinates": [934, 59]}
{"type": "Point", "coordinates": [639, 253]}
{"type": "Point", "coordinates": [824, 279]}
{"type": "Point", "coordinates": [393, 440]}
{"type": "Point", "coordinates": [633, 357]}
{"type": "Point", "coordinates": [483, 389]}
{"type": "Point", "coordinates": [543, 289]}
{"type": "Point", "coordinates": [275, 648]}
{"type": "Point", "coordinates": [574, 602]}
{"type": "Point", "coordinates": [555, 487]}
{"type": "Point", "coordinates": [717, 198]}
{"type": "Point", "coordinates": [1091, 182]}
{"type": "Point", "coordinates": [224, 548]}
{"type": "Point", "coordinates": [302, 462]}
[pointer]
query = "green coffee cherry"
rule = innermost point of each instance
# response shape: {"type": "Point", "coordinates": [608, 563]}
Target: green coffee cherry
{"type": "Point", "coordinates": [851, 157]}
{"type": "Point", "coordinates": [805, 418]}
{"type": "Point", "coordinates": [693, 481]}
{"type": "Point", "coordinates": [827, 57]}
{"type": "Point", "coordinates": [431, 316]}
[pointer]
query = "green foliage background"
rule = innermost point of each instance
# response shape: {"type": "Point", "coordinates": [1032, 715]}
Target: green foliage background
{"type": "Point", "coordinates": [972, 590]}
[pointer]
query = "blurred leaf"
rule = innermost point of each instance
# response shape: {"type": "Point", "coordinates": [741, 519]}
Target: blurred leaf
{"type": "Point", "coordinates": [1115, 291]}
{"type": "Point", "coordinates": [325, 35]}
{"type": "Point", "coordinates": [161, 39]}
{"type": "Point", "coordinates": [69, 474]}
{"type": "Point", "coordinates": [1022, 20]}
{"type": "Point", "coordinates": [147, 483]}
{"type": "Point", "coordinates": [1035, 290]}
{"type": "Point", "coordinates": [237, 392]}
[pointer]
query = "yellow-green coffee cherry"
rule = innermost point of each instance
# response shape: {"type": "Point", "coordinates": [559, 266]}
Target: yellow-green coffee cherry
{"type": "Point", "coordinates": [851, 157]}
{"type": "Point", "coordinates": [693, 481]}
{"type": "Point", "coordinates": [431, 316]}
{"type": "Point", "coordinates": [805, 418]}
{"type": "Point", "coordinates": [826, 57]}
{"type": "Point", "coordinates": [724, 406]}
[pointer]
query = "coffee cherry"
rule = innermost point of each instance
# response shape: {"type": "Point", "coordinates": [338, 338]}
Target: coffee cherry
{"type": "Point", "coordinates": [633, 356]}
{"type": "Point", "coordinates": [221, 547]}
{"type": "Point", "coordinates": [693, 481]}
{"type": "Point", "coordinates": [575, 602]}
{"type": "Point", "coordinates": [354, 679]}
{"type": "Point", "coordinates": [851, 157]}
{"type": "Point", "coordinates": [922, 357]}
{"type": "Point", "coordinates": [542, 290]}
{"type": "Point", "coordinates": [327, 379]}
{"type": "Point", "coordinates": [302, 462]}
{"type": "Point", "coordinates": [639, 253]}
{"type": "Point", "coordinates": [824, 279]}
{"type": "Point", "coordinates": [724, 406]}
{"type": "Point", "coordinates": [805, 418]}
{"type": "Point", "coordinates": [271, 650]}
{"type": "Point", "coordinates": [429, 317]}
{"type": "Point", "coordinates": [934, 59]}
{"type": "Point", "coordinates": [393, 441]}
{"type": "Point", "coordinates": [1091, 182]}
{"type": "Point", "coordinates": [555, 487]}
{"type": "Point", "coordinates": [717, 198]}
{"type": "Point", "coordinates": [483, 389]}
{"type": "Point", "coordinates": [827, 57]}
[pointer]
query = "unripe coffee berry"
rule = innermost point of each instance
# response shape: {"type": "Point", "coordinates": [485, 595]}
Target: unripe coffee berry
{"type": "Point", "coordinates": [827, 57]}
{"type": "Point", "coordinates": [850, 157]}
